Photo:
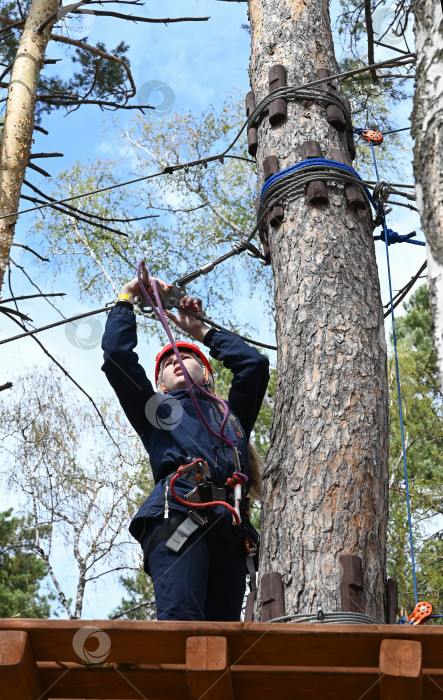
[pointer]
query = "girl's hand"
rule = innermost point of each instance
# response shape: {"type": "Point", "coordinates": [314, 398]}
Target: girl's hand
{"type": "Point", "coordinates": [133, 287]}
{"type": "Point", "coordinates": [196, 328]}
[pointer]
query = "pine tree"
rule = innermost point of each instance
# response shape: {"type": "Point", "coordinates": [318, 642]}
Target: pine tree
{"type": "Point", "coordinates": [21, 571]}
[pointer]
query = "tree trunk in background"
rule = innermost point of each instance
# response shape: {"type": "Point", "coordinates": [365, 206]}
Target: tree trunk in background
{"type": "Point", "coordinates": [325, 485]}
{"type": "Point", "coordinates": [427, 130]}
{"type": "Point", "coordinates": [19, 120]}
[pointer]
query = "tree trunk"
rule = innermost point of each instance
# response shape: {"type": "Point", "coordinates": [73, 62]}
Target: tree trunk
{"type": "Point", "coordinates": [325, 481]}
{"type": "Point", "coordinates": [427, 130]}
{"type": "Point", "coordinates": [19, 119]}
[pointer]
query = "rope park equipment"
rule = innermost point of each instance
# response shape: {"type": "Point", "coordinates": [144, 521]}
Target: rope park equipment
{"type": "Point", "coordinates": [423, 609]}
{"type": "Point", "coordinates": [169, 169]}
{"type": "Point", "coordinates": [272, 189]}
{"type": "Point", "coordinates": [290, 181]}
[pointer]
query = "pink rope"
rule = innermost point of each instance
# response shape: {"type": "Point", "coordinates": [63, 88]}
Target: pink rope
{"type": "Point", "coordinates": [190, 382]}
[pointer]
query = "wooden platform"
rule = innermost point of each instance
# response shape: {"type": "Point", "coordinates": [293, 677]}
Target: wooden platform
{"type": "Point", "coordinates": [50, 659]}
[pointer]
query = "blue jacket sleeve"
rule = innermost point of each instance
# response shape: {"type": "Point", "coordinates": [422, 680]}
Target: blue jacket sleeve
{"type": "Point", "coordinates": [251, 374]}
{"type": "Point", "coordinates": [122, 368]}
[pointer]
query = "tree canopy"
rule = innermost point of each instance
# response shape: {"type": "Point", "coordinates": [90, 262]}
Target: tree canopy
{"type": "Point", "coordinates": [423, 431]}
{"type": "Point", "coordinates": [22, 572]}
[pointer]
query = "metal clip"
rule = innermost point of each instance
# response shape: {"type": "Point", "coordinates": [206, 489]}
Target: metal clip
{"type": "Point", "coordinates": [169, 299]}
{"type": "Point", "coordinates": [251, 249]}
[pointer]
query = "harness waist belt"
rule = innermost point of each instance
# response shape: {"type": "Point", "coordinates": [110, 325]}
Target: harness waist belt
{"type": "Point", "coordinates": [185, 530]}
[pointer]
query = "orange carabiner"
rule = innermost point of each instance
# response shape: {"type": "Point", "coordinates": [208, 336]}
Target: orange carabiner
{"type": "Point", "coordinates": [374, 137]}
{"type": "Point", "coordinates": [421, 613]}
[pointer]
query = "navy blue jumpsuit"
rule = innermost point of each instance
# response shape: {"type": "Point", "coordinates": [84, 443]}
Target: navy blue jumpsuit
{"type": "Point", "coordinates": [193, 584]}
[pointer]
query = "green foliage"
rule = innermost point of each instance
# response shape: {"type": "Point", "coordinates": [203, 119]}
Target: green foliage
{"type": "Point", "coordinates": [373, 107]}
{"type": "Point", "coordinates": [423, 429]}
{"type": "Point", "coordinates": [140, 605]}
{"type": "Point", "coordinates": [21, 571]}
{"type": "Point", "coordinates": [389, 20]}
{"type": "Point", "coordinates": [97, 79]}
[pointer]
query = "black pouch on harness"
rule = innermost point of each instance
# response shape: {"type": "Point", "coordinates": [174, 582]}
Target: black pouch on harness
{"type": "Point", "coordinates": [163, 532]}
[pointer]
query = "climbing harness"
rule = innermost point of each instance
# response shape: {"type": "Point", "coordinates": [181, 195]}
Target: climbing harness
{"type": "Point", "coordinates": [204, 494]}
{"type": "Point", "coordinates": [178, 530]}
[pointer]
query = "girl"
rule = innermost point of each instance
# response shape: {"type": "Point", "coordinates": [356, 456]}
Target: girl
{"type": "Point", "coordinates": [196, 559]}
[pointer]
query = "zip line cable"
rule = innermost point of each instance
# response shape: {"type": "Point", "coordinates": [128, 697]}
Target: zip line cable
{"type": "Point", "coordinates": [403, 60]}
{"type": "Point", "coordinates": [78, 317]}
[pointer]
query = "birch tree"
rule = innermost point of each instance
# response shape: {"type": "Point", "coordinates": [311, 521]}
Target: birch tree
{"type": "Point", "coordinates": [76, 487]}
{"type": "Point", "coordinates": [19, 120]}
{"type": "Point", "coordinates": [427, 130]}
{"type": "Point", "coordinates": [326, 477]}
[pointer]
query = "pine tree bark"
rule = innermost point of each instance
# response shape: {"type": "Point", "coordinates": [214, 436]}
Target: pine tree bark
{"type": "Point", "coordinates": [325, 479]}
{"type": "Point", "coordinates": [16, 137]}
{"type": "Point", "coordinates": [427, 130]}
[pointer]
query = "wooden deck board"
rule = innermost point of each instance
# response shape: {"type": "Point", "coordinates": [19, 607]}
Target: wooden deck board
{"type": "Point", "coordinates": [247, 661]}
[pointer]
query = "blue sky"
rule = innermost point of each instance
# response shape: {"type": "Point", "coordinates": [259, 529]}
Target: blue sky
{"type": "Point", "coordinates": [200, 63]}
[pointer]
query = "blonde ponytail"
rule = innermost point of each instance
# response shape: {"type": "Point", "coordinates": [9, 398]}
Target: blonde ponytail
{"type": "Point", "coordinates": [255, 467]}
{"type": "Point", "coordinates": [255, 462]}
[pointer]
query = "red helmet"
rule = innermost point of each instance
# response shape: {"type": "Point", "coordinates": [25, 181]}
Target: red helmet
{"type": "Point", "coordinates": [184, 345]}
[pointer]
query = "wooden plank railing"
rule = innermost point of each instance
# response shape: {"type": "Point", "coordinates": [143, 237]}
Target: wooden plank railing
{"type": "Point", "coordinates": [41, 659]}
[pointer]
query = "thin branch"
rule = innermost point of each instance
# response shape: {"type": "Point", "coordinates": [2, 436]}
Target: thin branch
{"type": "Point", "coordinates": [25, 247]}
{"type": "Point", "coordinates": [403, 292]}
{"type": "Point", "coordinates": [149, 602]}
{"type": "Point", "coordinates": [98, 52]}
{"type": "Point", "coordinates": [38, 169]}
{"type": "Point", "coordinates": [393, 48]}
{"type": "Point", "coordinates": [370, 34]}
{"type": "Point", "coordinates": [10, 23]}
{"type": "Point", "coordinates": [7, 69]}
{"type": "Point", "coordinates": [133, 18]}
{"type": "Point", "coordinates": [110, 571]}
{"type": "Point", "coordinates": [68, 376]}
{"type": "Point", "coordinates": [46, 155]}
{"type": "Point", "coordinates": [103, 104]}
{"type": "Point", "coordinates": [54, 325]}
{"type": "Point", "coordinates": [83, 99]}
{"type": "Point", "coordinates": [75, 216]}
{"type": "Point", "coordinates": [33, 296]}
{"type": "Point", "coordinates": [179, 211]}
{"type": "Point", "coordinates": [22, 269]}
{"type": "Point", "coordinates": [14, 312]}
{"type": "Point", "coordinates": [397, 75]}
{"type": "Point", "coordinates": [81, 212]}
